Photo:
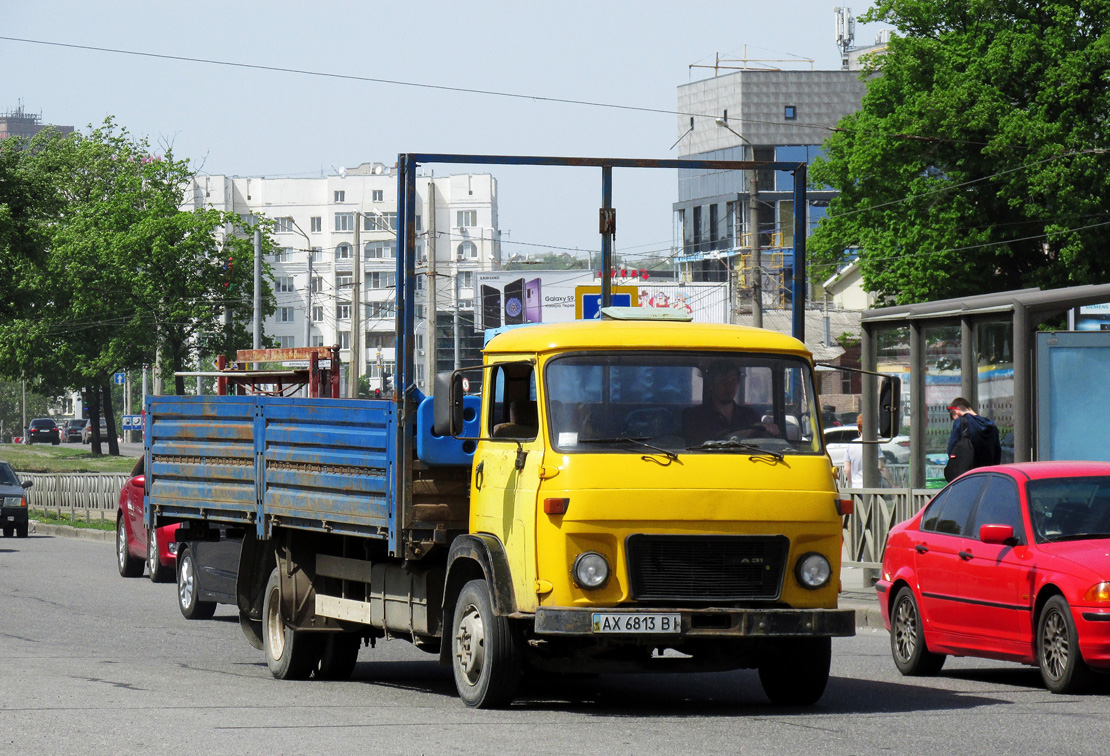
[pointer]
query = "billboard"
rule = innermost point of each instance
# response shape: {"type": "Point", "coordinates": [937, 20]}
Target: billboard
{"type": "Point", "coordinates": [516, 297]}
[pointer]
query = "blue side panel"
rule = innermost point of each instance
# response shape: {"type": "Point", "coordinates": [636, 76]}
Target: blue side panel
{"type": "Point", "coordinates": [445, 450]}
{"type": "Point", "coordinates": [201, 457]}
{"type": "Point", "coordinates": [326, 463]}
{"type": "Point", "coordinates": [313, 464]}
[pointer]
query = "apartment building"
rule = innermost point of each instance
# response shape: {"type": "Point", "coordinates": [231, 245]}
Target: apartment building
{"type": "Point", "coordinates": [317, 221]}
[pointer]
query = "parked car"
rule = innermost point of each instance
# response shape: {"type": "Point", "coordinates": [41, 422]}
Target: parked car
{"type": "Point", "coordinates": [42, 430]}
{"type": "Point", "coordinates": [897, 450]}
{"type": "Point", "coordinates": [1009, 562]}
{"type": "Point", "coordinates": [206, 573]}
{"type": "Point", "coordinates": [13, 502]}
{"type": "Point", "coordinates": [86, 431]}
{"type": "Point", "coordinates": [136, 547]}
{"type": "Point", "coordinates": [71, 430]}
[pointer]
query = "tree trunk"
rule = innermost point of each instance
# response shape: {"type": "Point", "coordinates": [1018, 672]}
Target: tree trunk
{"type": "Point", "coordinates": [110, 419]}
{"type": "Point", "coordinates": [92, 393]}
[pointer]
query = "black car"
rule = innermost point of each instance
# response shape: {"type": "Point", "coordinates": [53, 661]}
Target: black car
{"type": "Point", "coordinates": [13, 502]}
{"type": "Point", "coordinates": [206, 573]}
{"type": "Point", "coordinates": [43, 429]}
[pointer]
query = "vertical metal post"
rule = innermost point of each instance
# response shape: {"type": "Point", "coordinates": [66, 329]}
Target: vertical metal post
{"type": "Point", "coordinates": [918, 414]}
{"type": "Point", "coordinates": [969, 363]}
{"type": "Point", "coordinates": [757, 250]}
{"type": "Point", "coordinates": [1023, 384]}
{"type": "Point", "coordinates": [606, 236]}
{"type": "Point", "coordinates": [257, 342]}
{"type": "Point", "coordinates": [800, 229]}
{"type": "Point", "coordinates": [869, 400]}
{"type": "Point", "coordinates": [433, 316]}
{"type": "Point", "coordinates": [355, 368]}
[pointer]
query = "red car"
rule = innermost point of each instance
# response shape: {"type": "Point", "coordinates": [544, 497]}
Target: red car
{"type": "Point", "coordinates": [135, 547]}
{"type": "Point", "coordinates": [1009, 562]}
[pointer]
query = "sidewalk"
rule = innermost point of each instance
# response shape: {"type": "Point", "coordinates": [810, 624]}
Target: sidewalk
{"type": "Point", "coordinates": [854, 594]}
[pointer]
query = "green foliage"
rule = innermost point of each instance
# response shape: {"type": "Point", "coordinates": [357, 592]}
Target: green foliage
{"type": "Point", "coordinates": [977, 161]}
{"type": "Point", "coordinates": [103, 267]}
{"type": "Point", "coordinates": [11, 408]}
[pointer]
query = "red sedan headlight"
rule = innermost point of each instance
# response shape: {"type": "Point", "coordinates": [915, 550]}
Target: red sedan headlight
{"type": "Point", "coordinates": [1100, 592]}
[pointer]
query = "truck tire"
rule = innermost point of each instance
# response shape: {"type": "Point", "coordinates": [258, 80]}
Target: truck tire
{"type": "Point", "coordinates": [290, 654]}
{"type": "Point", "coordinates": [485, 651]}
{"type": "Point", "coordinates": [797, 674]}
{"type": "Point", "coordinates": [159, 573]}
{"type": "Point", "coordinates": [338, 656]}
{"type": "Point", "coordinates": [129, 566]}
{"type": "Point", "coordinates": [188, 588]}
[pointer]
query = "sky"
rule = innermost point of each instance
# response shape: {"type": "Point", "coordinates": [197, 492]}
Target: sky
{"type": "Point", "coordinates": [625, 59]}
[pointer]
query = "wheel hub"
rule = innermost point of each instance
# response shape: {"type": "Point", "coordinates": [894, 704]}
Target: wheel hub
{"type": "Point", "coordinates": [905, 630]}
{"type": "Point", "coordinates": [470, 641]}
{"type": "Point", "coordinates": [1054, 648]}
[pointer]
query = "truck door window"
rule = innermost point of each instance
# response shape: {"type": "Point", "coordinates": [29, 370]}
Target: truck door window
{"type": "Point", "coordinates": [513, 411]}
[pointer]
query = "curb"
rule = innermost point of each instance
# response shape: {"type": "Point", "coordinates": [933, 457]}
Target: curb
{"type": "Point", "coordinates": [68, 531]}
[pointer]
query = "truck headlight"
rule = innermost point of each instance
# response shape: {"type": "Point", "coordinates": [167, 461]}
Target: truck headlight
{"type": "Point", "coordinates": [813, 570]}
{"type": "Point", "coordinates": [591, 571]}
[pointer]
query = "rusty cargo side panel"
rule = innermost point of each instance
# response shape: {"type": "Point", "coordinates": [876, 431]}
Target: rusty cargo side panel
{"type": "Point", "coordinates": [323, 465]}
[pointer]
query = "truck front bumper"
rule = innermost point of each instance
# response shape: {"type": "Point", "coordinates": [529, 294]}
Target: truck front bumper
{"type": "Point", "coordinates": [711, 623]}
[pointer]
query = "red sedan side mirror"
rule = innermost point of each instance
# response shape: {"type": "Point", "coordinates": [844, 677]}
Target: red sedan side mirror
{"type": "Point", "coordinates": [999, 534]}
{"type": "Point", "coordinates": [139, 481]}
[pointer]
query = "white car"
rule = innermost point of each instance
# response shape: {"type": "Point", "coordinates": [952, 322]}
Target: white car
{"type": "Point", "coordinates": [896, 451]}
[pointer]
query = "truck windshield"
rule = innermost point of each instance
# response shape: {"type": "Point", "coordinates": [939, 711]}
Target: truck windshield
{"type": "Point", "coordinates": [696, 402]}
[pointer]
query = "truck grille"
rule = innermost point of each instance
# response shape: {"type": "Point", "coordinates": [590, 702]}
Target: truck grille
{"type": "Point", "coordinates": [706, 568]}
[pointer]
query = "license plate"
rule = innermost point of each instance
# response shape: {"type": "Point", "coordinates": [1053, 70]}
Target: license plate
{"type": "Point", "coordinates": [11, 518]}
{"type": "Point", "coordinates": [636, 624]}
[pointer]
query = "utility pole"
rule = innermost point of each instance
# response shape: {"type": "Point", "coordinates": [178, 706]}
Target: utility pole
{"type": "Point", "coordinates": [257, 343]}
{"type": "Point", "coordinates": [356, 311]}
{"type": "Point", "coordinates": [757, 253]}
{"type": "Point", "coordinates": [433, 317]}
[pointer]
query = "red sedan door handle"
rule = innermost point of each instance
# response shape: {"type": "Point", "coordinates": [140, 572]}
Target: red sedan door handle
{"type": "Point", "coordinates": [921, 548]}
{"type": "Point", "coordinates": [965, 555]}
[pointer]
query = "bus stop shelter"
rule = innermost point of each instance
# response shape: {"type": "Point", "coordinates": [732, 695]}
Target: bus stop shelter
{"type": "Point", "coordinates": [1003, 324]}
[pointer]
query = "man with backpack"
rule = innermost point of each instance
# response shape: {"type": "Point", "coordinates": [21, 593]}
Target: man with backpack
{"type": "Point", "coordinates": [973, 441]}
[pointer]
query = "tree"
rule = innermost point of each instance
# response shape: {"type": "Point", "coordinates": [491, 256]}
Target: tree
{"type": "Point", "coordinates": [977, 161]}
{"type": "Point", "coordinates": [117, 268]}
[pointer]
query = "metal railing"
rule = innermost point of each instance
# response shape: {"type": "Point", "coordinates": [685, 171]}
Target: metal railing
{"type": "Point", "coordinates": [876, 511]}
{"type": "Point", "coordinates": [90, 496]}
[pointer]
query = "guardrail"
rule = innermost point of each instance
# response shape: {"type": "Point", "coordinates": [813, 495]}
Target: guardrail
{"type": "Point", "coordinates": [876, 511]}
{"type": "Point", "coordinates": [86, 495]}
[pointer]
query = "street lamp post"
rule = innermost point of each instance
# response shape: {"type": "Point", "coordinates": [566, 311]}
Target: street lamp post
{"type": "Point", "coordinates": [308, 288]}
{"type": "Point", "coordinates": [753, 233]}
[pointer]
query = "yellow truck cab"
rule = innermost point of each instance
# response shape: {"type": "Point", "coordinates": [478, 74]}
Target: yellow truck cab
{"type": "Point", "coordinates": [661, 498]}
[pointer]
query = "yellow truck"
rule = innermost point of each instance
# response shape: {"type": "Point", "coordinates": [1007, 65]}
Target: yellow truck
{"type": "Point", "coordinates": [651, 495]}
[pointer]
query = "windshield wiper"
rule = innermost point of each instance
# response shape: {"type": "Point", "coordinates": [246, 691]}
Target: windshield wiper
{"type": "Point", "coordinates": [640, 440]}
{"type": "Point", "coordinates": [1075, 537]}
{"type": "Point", "coordinates": [738, 445]}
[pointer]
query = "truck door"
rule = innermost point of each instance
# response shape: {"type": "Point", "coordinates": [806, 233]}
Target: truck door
{"type": "Point", "coordinates": [506, 472]}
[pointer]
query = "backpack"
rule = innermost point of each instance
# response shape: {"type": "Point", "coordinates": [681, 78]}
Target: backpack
{"type": "Point", "coordinates": [989, 451]}
{"type": "Point", "coordinates": [962, 457]}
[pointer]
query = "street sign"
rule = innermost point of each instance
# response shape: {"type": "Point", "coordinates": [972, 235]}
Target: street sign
{"type": "Point", "coordinates": [132, 422]}
{"type": "Point", "coordinates": [119, 378]}
{"type": "Point", "coordinates": [591, 304]}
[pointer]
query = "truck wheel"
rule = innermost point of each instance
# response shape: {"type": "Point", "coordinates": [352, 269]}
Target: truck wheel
{"type": "Point", "coordinates": [798, 673]}
{"type": "Point", "coordinates": [188, 589]}
{"type": "Point", "coordinates": [338, 656]}
{"type": "Point", "coordinates": [290, 654]}
{"type": "Point", "coordinates": [9, 531]}
{"type": "Point", "coordinates": [21, 530]}
{"type": "Point", "coordinates": [158, 572]}
{"type": "Point", "coordinates": [485, 651]}
{"type": "Point", "coordinates": [129, 566]}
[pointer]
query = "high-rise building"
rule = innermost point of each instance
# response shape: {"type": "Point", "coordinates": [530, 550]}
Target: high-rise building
{"type": "Point", "coordinates": [18, 122]}
{"type": "Point", "coordinates": [315, 229]}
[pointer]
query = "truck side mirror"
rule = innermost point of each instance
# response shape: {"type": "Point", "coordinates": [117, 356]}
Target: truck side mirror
{"type": "Point", "coordinates": [447, 404]}
{"type": "Point", "coordinates": [890, 406]}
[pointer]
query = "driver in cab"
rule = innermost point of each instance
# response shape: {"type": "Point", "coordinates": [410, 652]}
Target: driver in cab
{"type": "Point", "coordinates": [719, 413]}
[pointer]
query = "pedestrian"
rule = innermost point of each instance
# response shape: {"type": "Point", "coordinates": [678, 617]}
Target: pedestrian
{"type": "Point", "coordinates": [973, 442]}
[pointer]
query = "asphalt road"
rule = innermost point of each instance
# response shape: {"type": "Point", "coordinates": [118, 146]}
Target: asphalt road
{"type": "Point", "coordinates": [93, 663]}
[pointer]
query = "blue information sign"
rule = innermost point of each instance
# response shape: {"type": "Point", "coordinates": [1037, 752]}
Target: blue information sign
{"type": "Point", "coordinates": [591, 304]}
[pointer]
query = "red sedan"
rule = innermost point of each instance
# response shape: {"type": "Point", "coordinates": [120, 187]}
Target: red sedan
{"type": "Point", "coordinates": [1009, 562]}
{"type": "Point", "coordinates": [135, 546]}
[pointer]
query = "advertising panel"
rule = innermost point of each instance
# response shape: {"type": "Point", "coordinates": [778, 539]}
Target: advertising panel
{"type": "Point", "coordinates": [517, 297]}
